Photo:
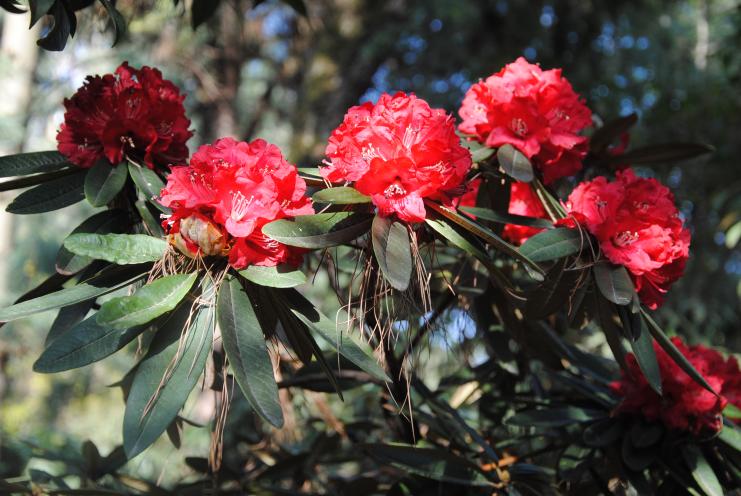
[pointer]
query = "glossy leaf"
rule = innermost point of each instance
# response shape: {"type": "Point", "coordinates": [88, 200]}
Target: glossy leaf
{"type": "Point", "coordinates": [514, 163]}
{"type": "Point", "coordinates": [506, 218]}
{"type": "Point", "coordinates": [149, 183]}
{"type": "Point", "coordinates": [121, 249]}
{"type": "Point", "coordinates": [701, 470]}
{"type": "Point", "coordinates": [151, 223]}
{"type": "Point", "coordinates": [553, 244]}
{"type": "Point", "coordinates": [147, 303]}
{"type": "Point", "coordinates": [392, 248]}
{"type": "Point", "coordinates": [319, 230]}
{"type": "Point", "coordinates": [39, 8]}
{"type": "Point", "coordinates": [340, 195]}
{"type": "Point", "coordinates": [53, 195]}
{"type": "Point", "coordinates": [643, 350]}
{"type": "Point", "coordinates": [100, 223]}
{"type": "Point", "coordinates": [280, 276]}
{"type": "Point", "coordinates": [244, 344]}
{"type": "Point", "coordinates": [165, 377]}
{"type": "Point", "coordinates": [119, 24]}
{"type": "Point", "coordinates": [614, 283]}
{"type": "Point", "coordinates": [67, 318]}
{"type": "Point", "coordinates": [23, 164]}
{"type": "Point", "coordinates": [103, 182]}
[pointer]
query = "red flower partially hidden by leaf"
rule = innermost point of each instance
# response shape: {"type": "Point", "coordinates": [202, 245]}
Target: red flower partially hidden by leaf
{"type": "Point", "coordinates": [638, 226]}
{"type": "Point", "coordinates": [226, 195]}
{"type": "Point", "coordinates": [131, 113]}
{"type": "Point", "coordinates": [684, 405]}
{"type": "Point", "coordinates": [535, 111]}
{"type": "Point", "coordinates": [523, 201]}
{"type": "Point", "coordinates": [398, 151]}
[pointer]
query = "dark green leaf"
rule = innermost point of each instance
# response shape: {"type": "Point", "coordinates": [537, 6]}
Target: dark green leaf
{"type": "Point", "coordinates": [103, 181]}
{"type": "Point", "coordinates": [502, 218]}
{"type": "Point", "coordinates": [514, 163]}
{"type": "Point", "coordinates": [607, 134]}
{"type": "Point", "coordinates": [392, 248]}
{"type": "Point", "coordinates": [637, 459]}
{"type": "Point", "coordinates": [244, 344]}
{"type": "Point", "coordinates": [52, 195]}
{"type": "Point", "coordinates": [12, 6]}
{"type": "Point", "coordinates": [119, 24]}
{"type": "Point", "coordinates": [341, 195]}
{"type": "Point", "coordinates": [603, 433]}
{"type": "Point", "coordinates": [281, 276]}
{"type": "Point", "coordinates": [319, 230]}
{"type": "Point", "coordinates": [554, 292]}
{"type": "Point", "coordinates": [65, 24]}
{"type": "Point", "coordinates": [149, 183]}
{"type": "Point", "coordinates": [147, 303]}
{"type": "Point", "coordinates": [701, 470]}
{"type": "Point", "coordinates": [667, 152]}
{"type": "Point", "coordinates": [121, 249]}
{"type": "Point", "coordinates": [166, 375]}
{"type": "Point", "coordinates": [67, 318]}
{"type": "Point", "coordinates": [603, 309]}
{"type": "Point", "coordinates": [614, 283]}
{"type": "Point", "coordinates": [431, 463]}
{"type": "Point", "coordinates": [101, 223]}
{"type": "Point", "coordinates": [39, 8]}
{"type": "Point", "coordinates": [83, 344]}
{"type": "Point", "coordinates": [152, 225]}
{"type": "Point", "coordinates": [643, 350]}
{"type": "Point", "coordinates": [552, 244]}
{"type": "Point", "coordinates": [645, 435]}
{"type": "Point", "coordinates": [555, 417]}
{"type": "Point", "coordinates": [23, 164]}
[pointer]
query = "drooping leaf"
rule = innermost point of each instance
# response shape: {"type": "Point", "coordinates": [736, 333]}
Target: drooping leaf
{"type": "Point", "coordinates": [244, 344]}
{"type": "Point", "coordinates": [555, 417]}
{"type": "Point", "coordinates": [121, 249]}
{"type": "Point", "coordinates": [392, 248]}
{"type": "Point", "coordinates": [603, 433]}
{"type": "Point", "coordinates": [280, 276]}
{"type": "Point", "coordinates": [165, 377]}
{"type": "Point", "coordinates": [603, 310]}
{"type": "Point", "coordinates": [614, 283]}
{"type": "Point", "coordinates": [153, 226]}
{"type": "Point", "coordinates": [553, 244]}
{"type": "Point", "coordinates": [12, 6]}
{"type": "Point", "coordinates": [341, 195]}
{"type": "Point", "coordinates": [39, 8]}
{"type": "Point", "coordinates": [643, 350]}
{"type": "Point", "coordinates": [319, 230]}
{"type": "Point", "coordinates": [514, 163]}
{"type": "Point", "coordinates": [432, 463]}
{"type": "Point", "coordinates": [506, 218]}
{"type": "Point", "coordinates": [147, 303]}
{"type": "Point", "coordinates": [554, 292]}
{"type": "Point", "coordinates": [103, 182]}
{"type": "Point", "coordinates": [67, 318]}
{"type": "Point", "coordinates": [100, 223]}
{"type": "Point", "coordinates": [667, 152]}
{"type": "Point", "coordinates": [731, 436]}
{"type": "Point", "coordinates": [612, 130]}
{"type": "Point", "coordinates": [53, 195]}
{"type": "Point", "coordinates": [83, 344]}
{"type": "Point", "coordinates": [65, 25]}
{"type": "Point", "coordinates": [701, 470]}
{"type": "Point", "coordinates": [119, 23]}
{"type": "Point", "coordinates": [24, 164]}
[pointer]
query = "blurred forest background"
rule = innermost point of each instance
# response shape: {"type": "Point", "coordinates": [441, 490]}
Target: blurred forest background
{"type": "Point", "coordinates": [271, 73]}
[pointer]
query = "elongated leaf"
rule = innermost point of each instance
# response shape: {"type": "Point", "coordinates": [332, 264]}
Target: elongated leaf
{"type": "Point", "coordinates": [100, 223]}
{"type": "Point", "coordinates": [431, 463]}
{"type": "Point", "coordinates": [553, 244]}
{"type": "Point", "coordinates": [553, 293]}
{"type": "Point", "coordinates": [39, 8]}
{"type": "Point", "coordinates": [555, 417]}
{"type": "Point", "coordinates": [281, 276]}
{"type": "Point", "coordinates": [53, 195]}
{"type": "Point", "coordinates": [155, 399]}
{"type": "Point", "coordinates": [149, 183]}
{"type": "Point", "coordinates": [121, 249]}
{"type": "Point", "coordinates": [319, 230]}
{"type": "Point", "coordinates": [343, 343]}
{"type": "Point", "coordinates": [646, 356]}
{"type": "Point", "coordinates": [119, 24]}
{"type": "Point", "coordinates": [514, 163]}
{"type": "Point", "coordinates": [701, 470]}
{"type": "Point", "coordinates": [93, 288]}
{"type": "Point", "coordinates": [614, 283]}
{"type": "Point", "coordinates": [392, 248]}
{"type": "Point", "coordinates": [667, 152]}
{"type": "Point", "coordinates": [83, 344]}
{"type": "Point", "coordinates": [731, 436]}
{"type": "Point", "coordinates": [67, 318]}
{"type": "Point", "coordinates": [103, 182]}
{"type": "Point", "coordinates": [673, 352]}
{"type": "Point", "coordinates": [603, 309]}
{"type": "Point", "coordinates": [607, 134]}
{"type": "Point", "coordinates": [147, 303]}
{"type": "Point", "coordinates": [23, 164]}
{"type": "Point", "coordinates": [505, 218]}
{"type": "Point", "coordinates": [603, 433]}
{"type": "Point", "coordinates": [341, 195]}
{"type": "Point", "coordinates": [244, 344]}
{"type": "Point", "coordinates": [153, 226]}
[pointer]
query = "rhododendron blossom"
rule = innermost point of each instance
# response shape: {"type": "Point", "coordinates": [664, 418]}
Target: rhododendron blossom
{"type": "Point", "coordinates": [535, 111]}
{"type": "Point", "coordinates": [226, 195]}
{"type": "Point", "coordinates": [638, 226]}
{"type": "Point", "coordinates": [132, 113]}
{"type": "Point", "coordinates": [398, 151]}
{"type": "Point", "coordinates": [523, 201]}
{"type": "Point", "coordinates": [684, 404]}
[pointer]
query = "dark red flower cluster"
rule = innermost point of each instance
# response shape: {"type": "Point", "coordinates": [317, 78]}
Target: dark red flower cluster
{"type": "Point", "coordinates": [131, 113]}
{"type": "Point", "coordinates": [223, 198]}
{"type": "Point", "coordinates": [684, 404]}
{"type": "Point", "coordinates": [535, 111]}
{"type": "Point", "coordinates": [398, 151]}
{"type": "Point", "coordinates": [638, 226]}
{"type": "Point", "coordinates": [523, 201]}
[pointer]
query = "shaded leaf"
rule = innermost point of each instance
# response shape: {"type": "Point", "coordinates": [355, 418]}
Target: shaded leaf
{"type": "Point", "coordinates": [666, 152]}
{"type": "Point", "coordinates": [701, 470]}
{"type": "Point", "coordinates": [67, 318]}
{"type": "Point", "coordinates": [52, 195]}
{"type": "Point", "coordinates": [507, 218]}
{"type": "Point", "coordinates": [614, 283]}
{"type": "Point", "coordinates": [603, 433]}
{"type": "Point", "coordinates": [553, 244]}
{"type": "Point", "coordinates": [103, 182]}
{"type": "Point", "coordinates": [392, 248]}
{"type": "Point", "coordinates": [731, 436]}
{"type": "Point", "coordinates": [555, 417]}
{"type": "Point", "coordinates": [119, 24]}
{"type": "Point", "coordinates": [554, 292]}
{"type": "Point", "coordinates": [643, 350]}
{"type": "Point", "coordinates": [514, 163]}
{"type": "Point", "coordinates": [121, 249]}
{"type": "Point", "coordinates": [612, 130]}
{"type": "Point", "coordinates": [319, 230]}
{"type": "Point", "coordinates": [340, 195]}
{"type": "Point", "coordinates": [635, 458]}
{"type": "Point", "coordinates": [23, 164]}
{"type": "Point", "coordinates": [202, 10]}
{"type": "Point", "coordinates": [65, 24]}
{"type": "Point", "coordinates": [281, 276]}
{"type": "Point", "coordinates": [39, 8]}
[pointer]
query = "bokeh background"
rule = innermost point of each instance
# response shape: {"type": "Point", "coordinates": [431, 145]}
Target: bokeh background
{"type": "Point", "coordinates": [268, 72]}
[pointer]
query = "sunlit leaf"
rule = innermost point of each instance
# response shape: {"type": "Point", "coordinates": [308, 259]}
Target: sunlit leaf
{"type": "Point", "coordinates": [340, 195]}
{"type": "Point", "coordinates": [319, 230]}
{"type": "Point", "coordinates": [121, 249]}
{"type": "Point", "coordinates": [280, 276]}
{"type": "Point", "coordinates": [514, 163]}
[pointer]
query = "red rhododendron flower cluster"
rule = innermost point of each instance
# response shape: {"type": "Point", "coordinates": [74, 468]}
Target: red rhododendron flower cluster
{"type": "Point", "coordinates": [523, 201]}
{"type": "Point", "coordinates": [398, 151]}
{"type": "Point", "coordinates": [638, 226]}
{"type": "Point", "coordinates": [684, 404]}
{"type": "Point", "coordinates": [226, 195]}
{"type": "Point", "coordinates": [131, 113]}
{"type": "Point", "coordinates": [535, 111]}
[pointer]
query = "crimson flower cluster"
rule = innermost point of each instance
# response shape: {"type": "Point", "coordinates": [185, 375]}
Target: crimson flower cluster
{"type": "Point", "coordinates": [223, 198]}
{"type": "Point", "coordinates": [535, 111]}
{"type": "Point", "coordinates": [132, 113]}
{"type": "Point", "coordinates": [398, 151]}
{"type": "Point", "coordinates": [638, 226]}
{"type": "Point", "coordinates": [684, 404]}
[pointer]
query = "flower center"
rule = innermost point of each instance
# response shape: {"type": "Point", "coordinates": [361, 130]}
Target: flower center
{"type": "Point", "coordinates": [625, 238]}
{"type": "Point", "coordinates": [519, 127]}
{"type": "Point", "coordinates": [240, 204]}
{"type": "Point", "coordinates": [393, 190]}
